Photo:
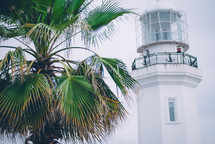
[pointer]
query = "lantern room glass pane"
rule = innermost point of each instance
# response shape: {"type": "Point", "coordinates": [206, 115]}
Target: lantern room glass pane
{"type": "Point", "coordinates": [174, 26]}
{"type": "Point", "coordinates": [145, 20]}
{"type": "Point", "coordinates": [146, 33]}
{"type": "Point", "coordinates": [173, 17]}
{"type": "Point", "coordinates": [166, 32]}
{"type": "Point", "coordinates": [164, 16]}
{"type": "Point", "coordinates": [154, 17]}
{"type": "Point", "coordinates": [155, 27]}
{"type": "Point", "coordinates": [148, 18]}
{"type": "Point", "coordinates": [155, 32]}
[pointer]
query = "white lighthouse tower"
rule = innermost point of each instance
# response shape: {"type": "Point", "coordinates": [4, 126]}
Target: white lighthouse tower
{"type": "Point", "coordinates": [167, 76]}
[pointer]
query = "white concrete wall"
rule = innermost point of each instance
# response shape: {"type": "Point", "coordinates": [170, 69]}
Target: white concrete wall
{"type": "Point", "coordinates": [191, 116]}
{"type": "Point", "coordinates": [158, 84]}
{"type": "Point", "coordinates": [149, 116]}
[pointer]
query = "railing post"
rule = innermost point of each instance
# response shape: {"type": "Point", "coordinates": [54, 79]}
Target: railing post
{"type": "Point", "coordinates": [156, 58]}
{"type": "Point", "coordinates": [178, 55]}
{"type": "Point", "coordinates": [134, 67]}
{"type": "Point", "coordinates": [183, 56]}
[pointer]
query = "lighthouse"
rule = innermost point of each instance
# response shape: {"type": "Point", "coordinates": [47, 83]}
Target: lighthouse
{"type": "Point", "coordinates": [168, 77]}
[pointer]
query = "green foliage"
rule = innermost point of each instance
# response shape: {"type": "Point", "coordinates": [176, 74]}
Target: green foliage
{"type": "Point", "coordinates": [22, 98]}
{"type": "Point", "coordinates": [50, 96]}
{"type": "Point", "coordinates": [75, 97]}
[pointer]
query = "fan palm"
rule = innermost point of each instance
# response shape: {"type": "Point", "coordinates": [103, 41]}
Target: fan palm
{"type": "Point", "coordinates": [52, 97]}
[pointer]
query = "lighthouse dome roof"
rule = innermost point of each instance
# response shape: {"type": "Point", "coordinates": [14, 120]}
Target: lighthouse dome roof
{"type": "Point", "coordinates": [161, 5]}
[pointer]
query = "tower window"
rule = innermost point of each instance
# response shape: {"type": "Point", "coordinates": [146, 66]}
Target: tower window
{"type": "Point", "coordinates": [171, 104]}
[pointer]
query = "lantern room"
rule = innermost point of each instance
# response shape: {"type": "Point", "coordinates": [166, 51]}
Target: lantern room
{"type": "Point", "coordinates": [162, 24]}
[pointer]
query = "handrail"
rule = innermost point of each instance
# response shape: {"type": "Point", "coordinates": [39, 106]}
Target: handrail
{"type": "Point", "coordinates": [164, 58]}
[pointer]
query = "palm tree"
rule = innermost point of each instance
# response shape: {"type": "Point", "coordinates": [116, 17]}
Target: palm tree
{"type": "Point", "coordinates": [50, 97]}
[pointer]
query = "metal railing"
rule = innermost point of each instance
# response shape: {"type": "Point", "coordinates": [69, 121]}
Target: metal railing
{"type": "Point", "coordinates": [164, 58]}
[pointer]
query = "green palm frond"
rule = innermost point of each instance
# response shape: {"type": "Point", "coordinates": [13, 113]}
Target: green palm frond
{"type": "Point", "coordinates": [75, 99]}
{"type": "Point", "coordinates": [7, 33]}
{"type": "Point", "coordinates": [36, 118]}
{"type": "Point", "coordinates": [110, 107]}
{"type": "Point", "coordinates": [93, 70]}
{"type": "Point", "coordinates": [44, 4]}
{"type": "Point", "coordinates": [74, 6]}
{"type": "Point", "coordinates": [14, 62]}
{"type": "Point", "coordinates": [79, 106]}
{"type": "Point", "coordinates": [58, 10]}
{"type": "Point", "coordinates": [40, 31]}
{"type": "Point", "coordinates": [103, 16]}
{"type": "Point", "coordinates": [10, 9]}
{"type": "Point", "coordinates": [4, 83]}
{"type": "Point", "coordinates": [116, 69]}
{"type": "Point", "coordinates": [23, 98]}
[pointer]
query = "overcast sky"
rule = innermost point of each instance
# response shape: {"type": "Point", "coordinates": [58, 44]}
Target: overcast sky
{"type": "Point", "coordinates": [201, 22]}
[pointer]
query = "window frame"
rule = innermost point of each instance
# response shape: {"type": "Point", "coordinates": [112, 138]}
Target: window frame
{"type": "Point", "coordinates": [172, 99]}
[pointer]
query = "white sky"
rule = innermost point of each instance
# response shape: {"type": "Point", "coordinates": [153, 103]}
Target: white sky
{"type": "Point", "coordinates": [201, 22]}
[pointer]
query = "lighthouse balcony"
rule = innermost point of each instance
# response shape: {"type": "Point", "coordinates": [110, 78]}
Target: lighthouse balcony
{"type": "Point", "coordinates": [164, 58]}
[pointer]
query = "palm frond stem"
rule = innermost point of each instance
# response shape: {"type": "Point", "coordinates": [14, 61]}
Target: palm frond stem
{"type": "Point", "coordinates": [68, 48]}
{"type": "Point", "coordinates": [65, 40]}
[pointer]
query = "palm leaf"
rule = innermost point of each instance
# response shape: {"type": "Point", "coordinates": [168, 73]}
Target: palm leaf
{"type": "Point", "coordinates": [7, 33]}
{"type": "Point", "coordinates": [80, 108]}
{"type": "Point", "coordinates": [102, 16]}
{"type": "Point", "coordinates": [44, 4]}
{"type": "Point", "coordinates": [110, 108]}
{"type": "Point", "coordinates": [92, 69]}
{"type": "Point", "coordinates": [12, 62]}
{"type": "Point", "coordinates": [74, 6]}
{"type": "Point", "coordinates": [4, 83]}
{"type": "Point", "coordinates": [11, 9]}
{"type": "Point", "coordinates": [24, 97]}
{"type": "Point", "coordinates": [116, 69]}
{"type": "Point", "coordinates": [58, 11]}
{"type": "Point", "coordinates": [75, 100]}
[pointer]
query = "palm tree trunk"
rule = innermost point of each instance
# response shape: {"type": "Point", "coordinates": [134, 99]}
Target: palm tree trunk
{"type": "Point", "coordinates": [49, 135]}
